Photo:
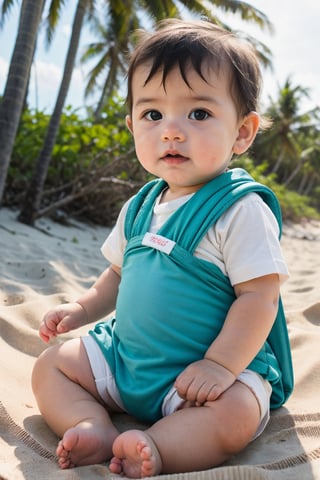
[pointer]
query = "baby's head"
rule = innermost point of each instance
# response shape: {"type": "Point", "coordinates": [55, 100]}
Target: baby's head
{"type": "Point", "coordinates": [200, 45]}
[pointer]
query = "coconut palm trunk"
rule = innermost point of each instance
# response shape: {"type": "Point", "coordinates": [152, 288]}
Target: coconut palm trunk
{"type": "Point", "coordinates": [17, 82]}
{"type": "Point", "coordinates": [31, 203]}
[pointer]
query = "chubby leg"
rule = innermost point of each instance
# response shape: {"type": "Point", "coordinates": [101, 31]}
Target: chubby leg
{"type": "Point", "coordinates": [66, 394]}
{"type": "Point", "coordinates": [191, 439]}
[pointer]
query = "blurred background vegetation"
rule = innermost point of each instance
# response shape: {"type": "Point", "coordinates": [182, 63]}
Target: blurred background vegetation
{"type": "Point", "coordinates": [85, 165]}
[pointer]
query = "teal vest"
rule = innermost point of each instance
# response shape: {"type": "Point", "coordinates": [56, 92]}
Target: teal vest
{"type": "Point", "coordinates": [171, 305]}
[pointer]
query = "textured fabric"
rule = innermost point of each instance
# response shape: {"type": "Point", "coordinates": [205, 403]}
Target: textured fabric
{"type": "Point", "coordinates": [172, 306]}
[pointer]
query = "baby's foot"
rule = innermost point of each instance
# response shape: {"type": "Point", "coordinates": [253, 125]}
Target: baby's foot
{"type": "Point", "coordinates": [84, 444]}
{"type": "Point", "coordinates": [135, 455]}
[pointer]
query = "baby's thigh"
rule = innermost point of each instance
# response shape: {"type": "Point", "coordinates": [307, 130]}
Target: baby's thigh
{"type": "Point", "coordinates": [70, 359]}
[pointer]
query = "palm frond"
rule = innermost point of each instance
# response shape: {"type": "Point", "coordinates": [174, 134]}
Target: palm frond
{"type": "Point", "coordinates": [5, 10]}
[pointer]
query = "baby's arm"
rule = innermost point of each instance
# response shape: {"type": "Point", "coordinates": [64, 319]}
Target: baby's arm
{"type": "Point", "coordinates": [244, 332]}
{"type": "Point", "coordinates": [97, 302]}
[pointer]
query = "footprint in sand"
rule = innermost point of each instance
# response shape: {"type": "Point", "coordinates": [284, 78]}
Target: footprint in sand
{"type": "Point", "coordinates": [312, 314]}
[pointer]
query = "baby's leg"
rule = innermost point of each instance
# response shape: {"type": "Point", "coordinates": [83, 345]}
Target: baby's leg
{"type": "Point", "coordinates": [65, 390]}
{"type": "Point", "coordinates": [191, 439]}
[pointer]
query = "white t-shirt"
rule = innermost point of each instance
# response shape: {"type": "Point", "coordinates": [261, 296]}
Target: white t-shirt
{"type": "Point", "coordinates": [243, 243]}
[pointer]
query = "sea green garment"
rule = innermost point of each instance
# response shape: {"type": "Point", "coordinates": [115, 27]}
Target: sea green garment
{"type": "Point", "coordinates": [171, 306]}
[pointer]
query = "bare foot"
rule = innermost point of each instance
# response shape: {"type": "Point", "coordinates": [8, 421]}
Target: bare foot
{"type": "Point", "coordinates": [85, 444]}
{"type": "Point", "coordinates": [135, 455]}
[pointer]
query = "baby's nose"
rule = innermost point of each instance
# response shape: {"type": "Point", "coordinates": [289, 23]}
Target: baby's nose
{"type": "Point", "coordinates": [173, 132]}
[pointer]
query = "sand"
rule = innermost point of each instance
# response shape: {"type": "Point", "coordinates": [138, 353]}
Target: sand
{"type": "Point", "coordinates": [53, 263]}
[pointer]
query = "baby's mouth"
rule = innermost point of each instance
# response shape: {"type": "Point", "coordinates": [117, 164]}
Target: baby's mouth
{"type": "Point", "coordinates": [174, 158]}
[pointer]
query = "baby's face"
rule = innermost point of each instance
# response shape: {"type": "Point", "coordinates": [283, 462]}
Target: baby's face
{"type": "Point", "coordinates": [185, 134]}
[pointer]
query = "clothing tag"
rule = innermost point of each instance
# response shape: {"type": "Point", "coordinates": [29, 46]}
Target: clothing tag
{"type": "Point", "coordinates": [158, 242]}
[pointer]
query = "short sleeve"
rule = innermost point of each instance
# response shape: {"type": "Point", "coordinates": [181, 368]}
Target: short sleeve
{"type": "Point", "coordinates": [248, 234]}
{"type": "Point", "coordinates": [115, 244]}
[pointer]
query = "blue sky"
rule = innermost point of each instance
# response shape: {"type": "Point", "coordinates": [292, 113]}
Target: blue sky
{"type": "Point", "coordinates": [294, 46]}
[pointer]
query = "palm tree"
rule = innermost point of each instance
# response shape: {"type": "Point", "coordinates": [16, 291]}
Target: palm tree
{"type": "Point", "coordinates": [309, 177]}
{"type": "Point", "coordinates": [124, 17]}
{"type": "Point", "coordinates": [283, 145]}
{"type": "Point", "coordinates": [35, 188]}
{"type": "Point", "coordinates": [112, 45]}
{"type": "Point", "coordinates": [17, 81]}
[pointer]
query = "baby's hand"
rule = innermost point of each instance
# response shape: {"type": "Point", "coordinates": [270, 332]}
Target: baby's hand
{"type": "Point", "coordinates": [62, 319]}
{"type": "Point", "coordinates": [203, 381]}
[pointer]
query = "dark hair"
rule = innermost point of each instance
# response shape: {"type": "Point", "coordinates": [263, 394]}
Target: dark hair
{"type": "Point", "coordinates": [176, 42]}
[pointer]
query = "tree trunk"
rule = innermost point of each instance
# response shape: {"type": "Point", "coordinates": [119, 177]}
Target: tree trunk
{"type": "Point", "coordinates": [34, 192]}
{"type": "Point", "coordinates": [310, 185]}
{"type": "Point", "coordinates": [17, 81]}
{"type": "Point", "coordinates": [278, 162]}
{"type": "Point", "coordinates": [295, 171]}
{"type": "Point", "coordinates": [302, 183]}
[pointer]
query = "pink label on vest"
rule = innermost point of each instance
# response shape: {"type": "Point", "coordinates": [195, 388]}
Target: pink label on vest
{"type": "Point", "coordinates": [158, 242]}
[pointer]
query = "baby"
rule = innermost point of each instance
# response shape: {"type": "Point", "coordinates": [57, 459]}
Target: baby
{"type": "Point", "coordinates": [198, 348]}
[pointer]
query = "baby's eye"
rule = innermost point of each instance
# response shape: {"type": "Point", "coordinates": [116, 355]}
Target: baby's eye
{"type": "Point", "coordinates": [153, 115]}
{"type": "Point", "coordinates": [199, 115]}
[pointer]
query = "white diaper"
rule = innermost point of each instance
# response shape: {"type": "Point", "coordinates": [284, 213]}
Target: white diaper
{"type": "Point", "coordinates": [103, 376]}
{"type": "Point", "coordinates": [106, 386]}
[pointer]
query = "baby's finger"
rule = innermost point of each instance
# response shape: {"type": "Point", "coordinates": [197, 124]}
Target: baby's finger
{"type": "Point", "coordinates": [196, 391]}
{"type": "Point", "coordinates": [202, 393]}
{"type": "Point", "coordinates": [46, 334]}
{"type": "Point", "coordinates": [182, 384]}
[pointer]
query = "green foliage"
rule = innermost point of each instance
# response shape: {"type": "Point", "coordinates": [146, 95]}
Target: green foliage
{"type": "Point", "coordinates": [294, 206]}
{"type": "Point", "coordinates": [86, 154]}
{"type": "Point", "coordinates": [27, 145]}
{"type": "Point", "coordinates": [94, 169]}
{"type": "Point", "coordinates": [291, 148]}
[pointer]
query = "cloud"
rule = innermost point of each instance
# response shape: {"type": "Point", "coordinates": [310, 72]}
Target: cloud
{"type": "Point", "coordinates": [66, 29]}
{"type": "Point", "coordinates": [45, 83]}
{"type": "Point", "coordinates": [3, 73]}
{"type": "Point", "coordinates": [46, 75]}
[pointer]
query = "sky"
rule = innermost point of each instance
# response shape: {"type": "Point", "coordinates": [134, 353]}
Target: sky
{"type": "Point", "coordinates": [294, 47]}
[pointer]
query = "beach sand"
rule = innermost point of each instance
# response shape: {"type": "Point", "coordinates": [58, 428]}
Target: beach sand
{"type": "Point", "coordinates": [53, 263]}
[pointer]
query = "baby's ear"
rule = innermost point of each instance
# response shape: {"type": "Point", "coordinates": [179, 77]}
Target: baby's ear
{"type": "Point", "coordinates": [247, 133]}
{"type": "Point", "coordinates": [129, 123]}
